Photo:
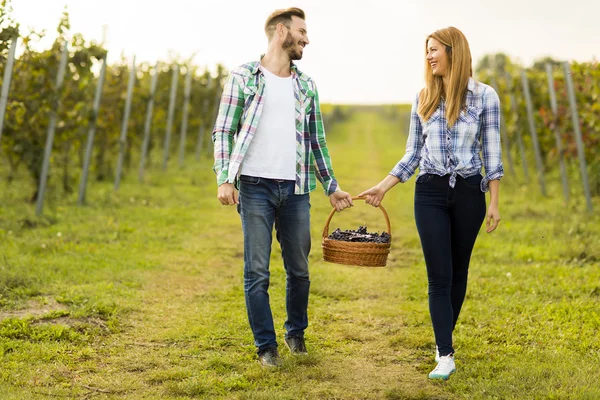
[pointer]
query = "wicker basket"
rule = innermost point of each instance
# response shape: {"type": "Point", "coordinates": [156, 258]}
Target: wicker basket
{"type": "Point", "coordinates": [356, 253]}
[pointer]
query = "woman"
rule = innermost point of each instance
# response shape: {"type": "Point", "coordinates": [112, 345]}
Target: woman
{"type": "Point", "coordinates": [453, 119]}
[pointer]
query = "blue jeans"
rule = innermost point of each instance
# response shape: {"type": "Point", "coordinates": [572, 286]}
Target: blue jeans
{"type": "Point", "coordinates": [262, 204]}
{"type": "Point", "coordinates": [448, 220]}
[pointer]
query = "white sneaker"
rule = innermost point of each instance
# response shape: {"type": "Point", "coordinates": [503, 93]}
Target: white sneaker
{"type": "Point", "coordinates": [437, 354]}
{"type": "Point", "coordinates": [444, 369]}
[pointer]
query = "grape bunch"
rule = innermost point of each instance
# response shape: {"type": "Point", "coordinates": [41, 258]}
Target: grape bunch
{"type": "Point", "coordinates": [360, 235]}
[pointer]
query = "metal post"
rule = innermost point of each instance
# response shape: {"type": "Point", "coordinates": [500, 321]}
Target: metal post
{"type": "Point", "coordinates": [215, 112]}
{"type": "Point", "coordinates": [503, 132]}
{"type": "Point", "coordinates": [577, 130]}
{"type": "Point", "coordinates": [184, 122]}
{"type": "Point", "coordinates": [123, 138]}
{"type": "Point", "coordinates": [559, 147]}
{"type": "Point", "coordinates": [201, 130]}
{"type": "Point", "coordinates": [515, 113]}
{"type": "Point", "coordinates": [217, 103]}
{"type": "Point", "coordinates": [6, 82]}
{"type": "Point", "coordinates": [148, 123]}
{"type": "Point", "coordinates": [51, 128]}
{"type": "Point", "coordinates": [218, 92]}
{"type": "Point", "coordinates": [91, 134]}
{"type": "Point", "coordinates": [203, 121]}
{"type": "Point", "coordinates": [533, 131]}
{"type": "Point", "coordinates": [170, 115]}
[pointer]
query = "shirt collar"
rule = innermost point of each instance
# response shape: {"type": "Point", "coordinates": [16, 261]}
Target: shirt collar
{"type": "Point", "coordinates": [257, 67]}
{"type": "Point", "coordinates": [471, 85]}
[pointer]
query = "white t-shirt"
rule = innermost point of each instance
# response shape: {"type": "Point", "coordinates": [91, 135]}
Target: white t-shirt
{"type": "Point", "coordinates": [272, 151]}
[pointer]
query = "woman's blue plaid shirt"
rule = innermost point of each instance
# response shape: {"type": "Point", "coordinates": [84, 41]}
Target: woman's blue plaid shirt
{"type": "Point", "coordinates": [437, 149]}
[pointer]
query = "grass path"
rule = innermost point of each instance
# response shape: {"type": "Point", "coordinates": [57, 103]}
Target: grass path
{"type": "Point", "coordinates": [143, 297]}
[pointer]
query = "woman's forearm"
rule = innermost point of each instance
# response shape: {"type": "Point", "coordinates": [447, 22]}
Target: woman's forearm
{"type": "Point", "coordinates": [389, 182]}
{"type": "Point", "coordinates": [494, 192]}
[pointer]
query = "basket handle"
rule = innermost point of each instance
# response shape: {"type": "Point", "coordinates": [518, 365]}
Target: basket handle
{"type": "Point", "coordinates": [387, 219]}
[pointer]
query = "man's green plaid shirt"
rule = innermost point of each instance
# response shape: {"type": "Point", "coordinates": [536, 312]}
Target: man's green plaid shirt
{"type": "Point", "coordinates": [239, 113]}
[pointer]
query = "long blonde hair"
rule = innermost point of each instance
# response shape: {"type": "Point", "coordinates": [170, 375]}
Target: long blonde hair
{"type": "Point", "coordinates": [459, 70]}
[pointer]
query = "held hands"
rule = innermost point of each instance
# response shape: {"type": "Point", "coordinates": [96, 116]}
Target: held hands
{"type": "Point", "coordinates": [340, 200]}
{"type": "Point", "coordinates": [227, 194]}
{"type": "Point", "coordinates": [492, 219]}
{"type": "Point", "coordinates": [373, 196]}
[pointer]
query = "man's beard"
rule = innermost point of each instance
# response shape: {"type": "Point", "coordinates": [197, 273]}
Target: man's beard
{"type": "Point", "coordinates": [288, 46]}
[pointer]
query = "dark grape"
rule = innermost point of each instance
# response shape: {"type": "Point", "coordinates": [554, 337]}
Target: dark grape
{"type": "Point", "coordinates": [360, 235]}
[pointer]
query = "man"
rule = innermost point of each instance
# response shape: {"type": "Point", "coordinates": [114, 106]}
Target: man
{"type": "Point", "coordinates": [272, 110]}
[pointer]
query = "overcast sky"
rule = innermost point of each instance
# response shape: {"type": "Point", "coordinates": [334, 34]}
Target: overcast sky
{"type": "Point", "coordinates": [360, 52]}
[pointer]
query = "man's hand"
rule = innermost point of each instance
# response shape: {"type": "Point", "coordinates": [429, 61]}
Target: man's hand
{"type": "Point", "coordinates": [340, 200]}
{"type": "Point", "coordinates": [227, 194]}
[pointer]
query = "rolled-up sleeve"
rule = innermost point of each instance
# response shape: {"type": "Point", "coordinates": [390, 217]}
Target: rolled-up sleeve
{"type": "Point", "coordinates": [490, 139]}
{"type": "Point", "coordinates": [323, 167]}
{"type": "Point", "coordinates": [407, 166]}
{"type": "Point", "coordinates": [230, 111]}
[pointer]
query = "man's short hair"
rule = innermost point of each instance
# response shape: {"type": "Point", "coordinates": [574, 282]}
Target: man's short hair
{"type": "Point", "coordinates": [283, 16]}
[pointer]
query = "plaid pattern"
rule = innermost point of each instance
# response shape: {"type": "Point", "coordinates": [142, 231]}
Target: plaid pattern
{"type": "Point", "coordinates": [239, 112]}
{"type": "Point", "coordinates": [435, 149]}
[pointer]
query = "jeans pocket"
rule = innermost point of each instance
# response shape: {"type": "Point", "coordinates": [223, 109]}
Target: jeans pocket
{"type": "Point", "coordinates": [249, 180]}
{"type": "Point", "coordinates": [473, 181]}
{"type": "Point", "coordinates": [424, 178]}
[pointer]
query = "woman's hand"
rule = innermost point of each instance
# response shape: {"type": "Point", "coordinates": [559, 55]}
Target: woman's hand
{"type": "Point", "coordinates": [374, 195]}
{"type": "Point", "coordinates": [492, 219]}
{"type": "Point", "coordinates": [493, 215]}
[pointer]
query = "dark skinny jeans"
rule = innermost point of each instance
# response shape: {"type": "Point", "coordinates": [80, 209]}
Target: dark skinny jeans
{"type": "Point", "coordinates": [448, 221]}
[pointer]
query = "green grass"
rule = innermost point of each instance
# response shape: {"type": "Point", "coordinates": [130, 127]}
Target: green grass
{"type": "Point", "coordinates": [139, 295]}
